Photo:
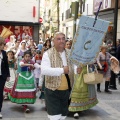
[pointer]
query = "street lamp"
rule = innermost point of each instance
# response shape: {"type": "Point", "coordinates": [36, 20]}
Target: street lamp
{"type": "Point", "coordinates": [113, 51]}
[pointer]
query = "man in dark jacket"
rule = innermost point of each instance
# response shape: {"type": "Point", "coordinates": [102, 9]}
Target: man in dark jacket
{"type": "Point", "coordinates": [4, 71]}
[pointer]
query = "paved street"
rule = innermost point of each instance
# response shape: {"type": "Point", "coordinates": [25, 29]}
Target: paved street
{"type": "Point", "coordinates": [107, 109]}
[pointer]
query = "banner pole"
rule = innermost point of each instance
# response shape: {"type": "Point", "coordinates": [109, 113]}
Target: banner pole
{"type": "Point", "coordinates": [97, 14]}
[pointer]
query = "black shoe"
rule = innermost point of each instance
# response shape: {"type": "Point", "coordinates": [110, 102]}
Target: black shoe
{"type": "Point", "coordinates": [112, 88]}
{"type": "Point", "coordinates": [76, 116]}
{"type": "Point", "coordinates": [0, 115]}
{"type": "Point", "coordinates": [108, 91]}
{"type": "Point", "coordinates": [98, 90]}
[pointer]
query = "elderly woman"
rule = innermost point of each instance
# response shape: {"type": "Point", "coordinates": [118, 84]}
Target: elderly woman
{"type": "Point", "coordinates": [4, 71]}
{"type": "Point", "coordinates": [104, 60]}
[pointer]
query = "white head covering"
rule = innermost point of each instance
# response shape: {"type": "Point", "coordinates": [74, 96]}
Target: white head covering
{"type": "Point", "coordinates": [12, 37]}
{"type": "Point", "coordinates": [27, 36]}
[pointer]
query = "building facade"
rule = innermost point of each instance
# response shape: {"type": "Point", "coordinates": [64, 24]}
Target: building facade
{"type": "Point", "coordinates": [68, 19]}
{"type": "Point", "coordinates": [107, 13]}
{"type": "Point", "coordinates": [70, 12]}
{"type": "Point", "coordinates": [21, 16]}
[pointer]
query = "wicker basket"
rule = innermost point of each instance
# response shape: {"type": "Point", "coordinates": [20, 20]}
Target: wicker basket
{"type": "Point", "coordinates": [93, 78]}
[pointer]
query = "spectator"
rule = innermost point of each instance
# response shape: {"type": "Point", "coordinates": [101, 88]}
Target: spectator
{"type": "Point", "coordinates": [32, 44]}
{"type": "Point", "coordinates": [47, 46]}
{"type": "Point", "coordinates": [40, 45]}
{"type": "Point", "coordinates": [68, 45]}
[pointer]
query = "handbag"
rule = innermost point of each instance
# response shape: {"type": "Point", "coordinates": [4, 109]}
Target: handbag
{"type": "Point", "coordinates": [104, 66]}
{"type": "Point", "coordinates": [93, 77]}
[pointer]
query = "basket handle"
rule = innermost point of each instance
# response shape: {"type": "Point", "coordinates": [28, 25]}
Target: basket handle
{"type": "Point", "coordinates": [94, 69]}
{"type": "Point", "coordinates": [87, 69]}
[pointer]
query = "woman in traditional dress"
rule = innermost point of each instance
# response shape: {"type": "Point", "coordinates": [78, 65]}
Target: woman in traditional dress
{"type": "Point", "coordinates": [15, 49]}
{"type": "Point", "coordinates": [32, 45]}
{"type": "Point", "coordinates": [24, 90]}
{"type": "Point", "coordinates": [83, 96]}
{"type": "Point", "coordinates": [47, 46]}
{"type": "Point", "coordinates": [20, 54]}
{"type": "Point", "coordinates": [12, 68]}
{"type": "Point", "coordinates": [11, 44]}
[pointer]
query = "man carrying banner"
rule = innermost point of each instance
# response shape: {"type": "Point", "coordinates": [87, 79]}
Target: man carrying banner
{"type": "Point", "coordinates": [58, 78]}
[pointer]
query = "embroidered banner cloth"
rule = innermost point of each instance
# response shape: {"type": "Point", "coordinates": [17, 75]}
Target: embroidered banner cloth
{"type": "Point", "coordinates": [87, 40]}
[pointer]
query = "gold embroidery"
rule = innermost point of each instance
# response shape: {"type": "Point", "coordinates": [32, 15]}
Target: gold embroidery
{"type": "Point", "coordinates": [54, 82]}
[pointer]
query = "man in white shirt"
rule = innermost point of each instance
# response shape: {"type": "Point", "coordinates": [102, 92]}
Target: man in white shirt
{"type": "Point", "coordinates": [58, 72]}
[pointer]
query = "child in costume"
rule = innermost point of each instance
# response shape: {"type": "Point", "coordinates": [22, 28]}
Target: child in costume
{"type": "Point", "coordinates": [12, 67]}
{"type": "Point", "coordinates": [37, 59]}
{"type": "Point", "coordinates": [19, 55]}
{"type": "Point", "coordinates": [24, 90]}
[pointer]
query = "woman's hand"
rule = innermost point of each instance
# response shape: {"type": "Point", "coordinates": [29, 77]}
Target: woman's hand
{"type": "Point", "coordinates": [31, 65]}
{"type": "Point", "coordinates": [100, 67]}
{"type": "Point", "coordinates": [79, 69]}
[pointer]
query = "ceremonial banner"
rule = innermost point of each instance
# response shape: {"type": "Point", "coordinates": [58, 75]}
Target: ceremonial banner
{"type": "Point", "coordinates": [87, 41]}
